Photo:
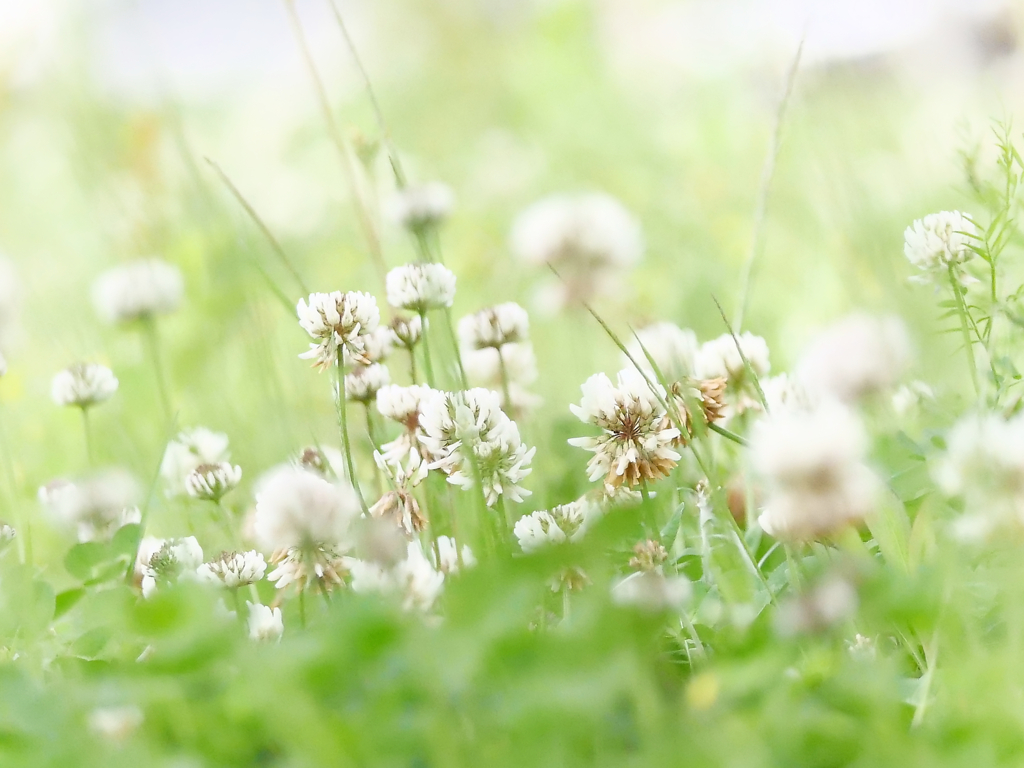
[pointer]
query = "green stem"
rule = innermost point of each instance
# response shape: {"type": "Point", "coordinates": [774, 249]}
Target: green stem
{"type": "Point", "coordinates": [153, 342]}
{"type": "Point", "coordinates": [931, 654]}
{"type": "Point", "coordinates": [688, 623]}
{"type": "Point", "coordinates": [412, 365]}
{"type": "Point", "coordinates": [88, 436]}
{"type": "Point", "coordinates": [455, 346]}
{"type": "Point", "coordinates": [302, 608]}
{"type": "Point", "coordinates": [346, 444]}
{"type": "Point", "coordinates": [426, 350]}
{"type": "Point", "coordinates": [505, 388]}
{"type": "Point", "coordinates": [371, 431]}
{"type": "Point", "coordinates": [964, 329]}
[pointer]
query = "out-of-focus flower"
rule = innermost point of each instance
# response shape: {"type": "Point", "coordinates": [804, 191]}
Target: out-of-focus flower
{"type": "Point", "coordinates": [212, 481]}
{"type": "Point", "coordinates": [813, 465]}
{"type": "Point", "coordinates": [115, 724]}
{"type": "Point", "coordinates": [785, 392]}
{"type": "Point", "coordinates": [401, 508]}
{"type": "Point", "coordinates": [636, 440]}
{"type": "Point", "coordinates": [652, 591]}
{"type": "Point", "coordinates": [97, 506]}
{"type": "Point", "coordinates": [828, 603]}
{"type": "Point", "coordinates": [295, 508]}
{"type": "Point", "coordinates": [138, 290]}
{"type": "Point", "coordinates": [319, 566]}
{"type": "Point", "coordinates": [984, 464]}
{"type": "Point", "coordinates": [362, 384]}
{"type": "Point", "coordinates": [469, 437]}
{"type": "Point", "coordinates": [421, 287]}
{"type": "Point", "coordinates": [325, 461]}
{"type": "Point", "coordinates": [10, 305]}
{"type": "Point", "coordinates": [189, 450]}
{"type": "Point", "coordinates": [407, 330]}
{"type": "Point", "coordinates": [673, 349]}
{"type": "Point", "coordinates": [234, 569]}
{"type": "Point", "coordinates": [495, 326]}
{"type": "Point", "coordinates": [3, 365]}
{"type": "Point", "coordinates": [566, 522]}
{"type": "Point", "coordinates": [938, 241]}
{"type": "Point", "coordinates": [407, 453]}
{"type": "Point", "coordinates": [414, 579]}
{"type": "Point", "coordinates": [859, 356]}
{"type": "Point", "coordinates": [648, 555]}
{"type": "Point", "coordinates": [418, 206]}
{"type": "Point", "coordinates": [721, 358]}
{"type": "Point", "coordinates": [484, 369]}
{"type": "Point", "coordinates": [910, 396]}
{"type": "Point", "coordinates": [83, 385]}
{"type": "Point", "coordinates": [450, 557]}
{"type": "Point", "coordinates": [264, 623]}
{"type": "Point", "coordinates": [338, 322]}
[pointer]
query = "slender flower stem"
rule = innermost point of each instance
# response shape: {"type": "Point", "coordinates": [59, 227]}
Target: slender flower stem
{"type": "Point", "coordinates": [153, 342]}
{"type": "Point", "coordinates": [964, 329]}
{"type": "Point", "coordinates": [371, 431]}
{"type": "Point", "coordinates": [88, 436]}
{"type": "Point", "coordinates": [455, 347]}
{"type": "Point", "coordinates": [688, 623]}
{"type": "Point", "coordinates": [505, 388]}
{"type": "Point", "coordinates": [412, 365]}
{"type": "Point", "coordinates": [426, 349]}
{"type": "Point", "coordinates": [346, 444]}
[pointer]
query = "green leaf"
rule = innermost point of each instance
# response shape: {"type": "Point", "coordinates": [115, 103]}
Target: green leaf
{"type": "Point", "coordinates": [82, 559]}
{"type": "Point", "coordinates": [890, 528]}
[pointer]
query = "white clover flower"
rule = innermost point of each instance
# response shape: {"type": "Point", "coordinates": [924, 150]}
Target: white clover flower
{"type": "Point", "coordinates": [859, 356]}
{"type": "Point", "coordinates": [651, 591]}
{"type": "Point", "coordinates": [322, 566]}
{"type": "Point", "coordinates": [264, 623]}
{"type": "Point", "coordinates": [813, 465]}
{"type": "Point", "coordinates": [673, 349]}
{"type": "Point", "coordinates": [83, 385]}
{"type": "Point", "coordinates": [720, 357]}
{"type": "Point", "coordinates": [422, 205]}
{"type": "Point", "coordinates": [831, 601]}
{"type": "Point", "coordinates": [97, 506]}
{"type": "Point", "coordinates": [566, 522]}
{"type": "Point", "coordinates": [406, 331]}
{"type": "Point", "coordinates": [211, 482]}
{"type": "Point", "coordinates": [338, 321]}
{"type": "Point", "coordinates": [3, 365]}
{"type": "Point", "coordinates": [137, 290]}
{"type": "Point", "coordinates": [325, 461]}
{"type": "Point", "coordinates": [115, 724]}
{"type": "Point", "coordinates": [588, 231]}
{"type": "Point", "coordinates": [911, 396]}
{"type": "Point", "coordinates": [785, 392]}
{"type": "Point", "coordinates": [637, 436]}
{"type": "Point", "coordinates": [363, 383]}
{"type": "Point", "coordinates": [399, 506]}
{"type": "Point", "coordinates": [378, 344]}
{"type": "Point", "coordinates": [234, 569]}
{"type": "Point", "coordinates": [484, 369]}
{"type": "Point", "coordinates": [420, 287]}
{"type": "Point", "coordinates": [166, 561]}
{"type": "Point", "coordinates": [469, 436]}
{"type": "Point", "coordinates": [495, 326]}
{"type": "Point", "coordinates": [190, 449]}
{"type": "Point", "coordinates": [406, 453]}
{"type": "Point", "coordinates": [295, 508]}
{"type": "Point", "coordinates": [414, 579]}
{"type": "Point", "coordinates": [938, 241]}
{"type": "Point", "coordinates": [7, 534]}
{"type": "Point", "coordinates": [450, 557]}
{"type": "Point", "coordinates": [984, 464]}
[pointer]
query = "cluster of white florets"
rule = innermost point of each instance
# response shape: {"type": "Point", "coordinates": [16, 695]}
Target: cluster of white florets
{"type": "Point", "coordinates": [421, 287]}
{"type": "Point", "coordinates": [940, 242]}
{"type": "Point", "coordinates": [340, 324]}
{"type": "Point", "coordinates": [83, 385]}
{"type": "Point", "coordinates": [138, 290]}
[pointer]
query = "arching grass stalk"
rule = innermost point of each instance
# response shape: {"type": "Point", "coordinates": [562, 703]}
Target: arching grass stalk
{"type": "Point", "coordinates": [346, 443]}
{"type": "Point", "coordinates": [961, 310]}
{"type": "Point", "coordinates": [152, 337]}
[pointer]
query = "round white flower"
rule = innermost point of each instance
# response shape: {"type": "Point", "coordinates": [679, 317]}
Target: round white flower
{"type": "Point", "coordinates": [651, 591]}
{"type": "Point", "coordinates": [97, 506]}
{"type": "Point", "coordinates": [83, 385]}
{"type": "Point", "coordinates": [363, 383]}
{"type": "Point", "coordinates": [164, 561]}
{"type": "Point", "coordinates": [419, 287]}
{"type": "Point", "coordinates": [234, 569]}
{"type": "Point", "coordinates": [406, 331]}
{"type": "Point", "coordinates": [910, 396]}
{"type": "Point", "coordinates": [313, 565]}
{"type": "Point", "coordinates": [783, 392]}
{"type": "Point", "coordinates": [859, 356]}
{"type": "Point", "coordinates": [450, 557]}
{"type": "Point", "coordinates": [637, 436]}
{"type": "Point", "coordinates": [494, 326]}
{"type": "Point", "coordinates": [414, 579]}
{"type": "Point", "coordinates": [264, 623]}
{"type": "Point", "coordinates": [721, 358]}
{"type": "Point", "coordinates": [190, 449]}
{"type": "Point", "coordinates": [673, 349]}
{"type": "Point", "coordinates": [211, 481]}
{"type": "Point", "coordinates": [566, 522]}
{"type": "Point", "coordinates": [138, 289]}
{"type": "Point", "coordinates": [582, 231]}
{"type": "Point", "coordinates": [338, 321]}
{"type": "Point", "coordinates": [939, 240]}
{"type": "Point", "coordinates": [468, 435]}
{"type": "Point", "coordinates": [813, 464]}
{"type": "Point", "coordinates": [115, 724]}
{"type": "Point", "coordinates": [421, 205]}
{"type": "Point", "coordinates": [295, 508]}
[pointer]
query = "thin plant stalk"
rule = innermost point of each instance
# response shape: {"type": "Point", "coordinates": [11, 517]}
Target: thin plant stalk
{"type": "Point", "coordinates": [506, 389]}
{"type": "Point", "coordinates": [427, 364]}
{"type": "Point", "coordinates": [455, 346]}
{"type": "Point", "coordinates": [412, 365]}
{"type": "Point", "coordinates": [152, 336]}
{"type": "Point", "coordinates": [964, 328]}
{"type": "Point", "coordinates": [88, 436]}
{"type": "Point", "coordinates": [346, 443]}
{"type": "Point", "coordinates": [371, 432]}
